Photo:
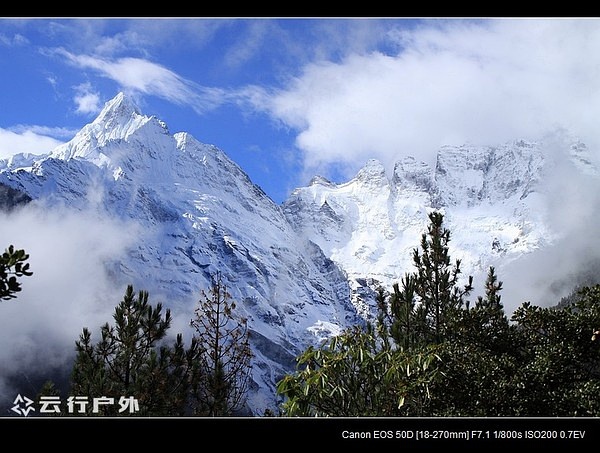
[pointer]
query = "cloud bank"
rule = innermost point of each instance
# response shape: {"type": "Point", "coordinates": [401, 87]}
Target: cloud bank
{"type": "Point", "coordinates": [451, 82]}
{"type": "Point", "coordinates": [27, 141]}
{"type": "Point", "coordinates": [69, 288]}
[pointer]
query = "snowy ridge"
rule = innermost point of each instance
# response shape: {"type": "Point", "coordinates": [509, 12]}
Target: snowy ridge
{"type": "Point", "coordinates": [492, 199]}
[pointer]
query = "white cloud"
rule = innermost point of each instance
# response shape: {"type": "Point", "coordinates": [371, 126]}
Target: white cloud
{"type": "Point", "coordinates": [111, 37]}
{"type": "Point", "coordinates": [14, 40]}
{"type": "Point", "coordinates": [135, 73]}
{"type": "Point", "coordinates": [145, 77]}
{"type": "Point", "coordinates": [55, 132]}
{"type": "Point", "coordinates": [139, 35]}
{"type": "Point", "coordinates": [453, 82]}
{"type": "Point", "coordinates": [25, 141]}
{"type": "Point", "coordinates": [87, 101]}
{"type": "Point", "coordinates": [52, 80]}
{"type": "Point", "coordinates": [69, 289]}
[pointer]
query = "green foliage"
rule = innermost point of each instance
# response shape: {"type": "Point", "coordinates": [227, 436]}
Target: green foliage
{"type": "Point", "coordinates": [560, 361]}
{"type": "Point", "coordinates": [221, 383]}
{"type": "Point", "coordinates": [130, 360]}
{"type": "Point", "coordinates": [355, 375]}
{"type": "Point", "coordinates": [398, 316]}
{"type": "Point", "coordinates": [437, 282]}
{"type": "Point", "coordinates": [429, 352]}
{"type": "Point", "coordinates": [388, 370]}
{"type": "Point", "coordinates": [486, 325]}
{"type": "Point", "coordinates": [13, 265]}
{"type": "Point", "coordinates": [425, 307]}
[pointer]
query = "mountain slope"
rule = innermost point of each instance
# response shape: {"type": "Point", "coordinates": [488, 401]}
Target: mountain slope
{"type": "Point", "coordinates": [197, 213]}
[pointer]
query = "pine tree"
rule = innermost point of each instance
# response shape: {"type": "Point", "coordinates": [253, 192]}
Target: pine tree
{"type": "Point", "coordinates": [394, 368]}
{"type": "Point", "coordinates": [492, 329]}
{"type": "Point", "coordinates": [131, 360]}
{"type": "Point", "coordinates": [397, 313]}
{"type": "Point", "coordinates": [220, 384]}
{"type": "Point", "coordinates": [479, 362]}
{"type": "Point", "coordinates": [492, 289]}
{"type": "Point", "coordinates": [437, 282]}
{"type": "Point", "coordinates": [50, 391]}
{"type": "Point", "coordinates": [422, 309]}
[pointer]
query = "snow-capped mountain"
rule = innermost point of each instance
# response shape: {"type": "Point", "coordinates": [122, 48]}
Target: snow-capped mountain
{"type": "Point", "coordinates": [304, 270]}
{"type": "Point", "coordinates": [200, 214]}
{"type": "Point", "coordinates": [494, 201]}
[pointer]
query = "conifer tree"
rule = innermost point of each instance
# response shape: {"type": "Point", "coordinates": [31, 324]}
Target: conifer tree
{"type": "Point", "coordinates": [437, 281]}
{"type": "Point", "coordinates": [423, 309]}
{"type": "Point", "coordinates": [543, 361]}
{"type": "Point", "coordinates": [492, 292]}
{"type": "Point", "coordinates": [398, 363]}
{"type": "Point", "coordinates": [51, 392]}
{"type": "Point", "coordinates": [397, 314]}
{"type": "Point", "coordinates": [220, 384]}
{"type": "Point", "coordinates": [489, 326]}
{"type": "Point", "coordinates": [131, 360]}
{"type": "Point", "coordinates": [479, 362]}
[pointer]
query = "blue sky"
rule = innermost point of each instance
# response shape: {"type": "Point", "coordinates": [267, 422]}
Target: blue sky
{"type": "Point", "coordinates": [288, 98]}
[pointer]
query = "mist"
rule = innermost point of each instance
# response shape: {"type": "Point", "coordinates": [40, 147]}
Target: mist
{"type": "Point", "coordinates": [570, 205]}
{"type": "Point", "coordinates": [69, 289]}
